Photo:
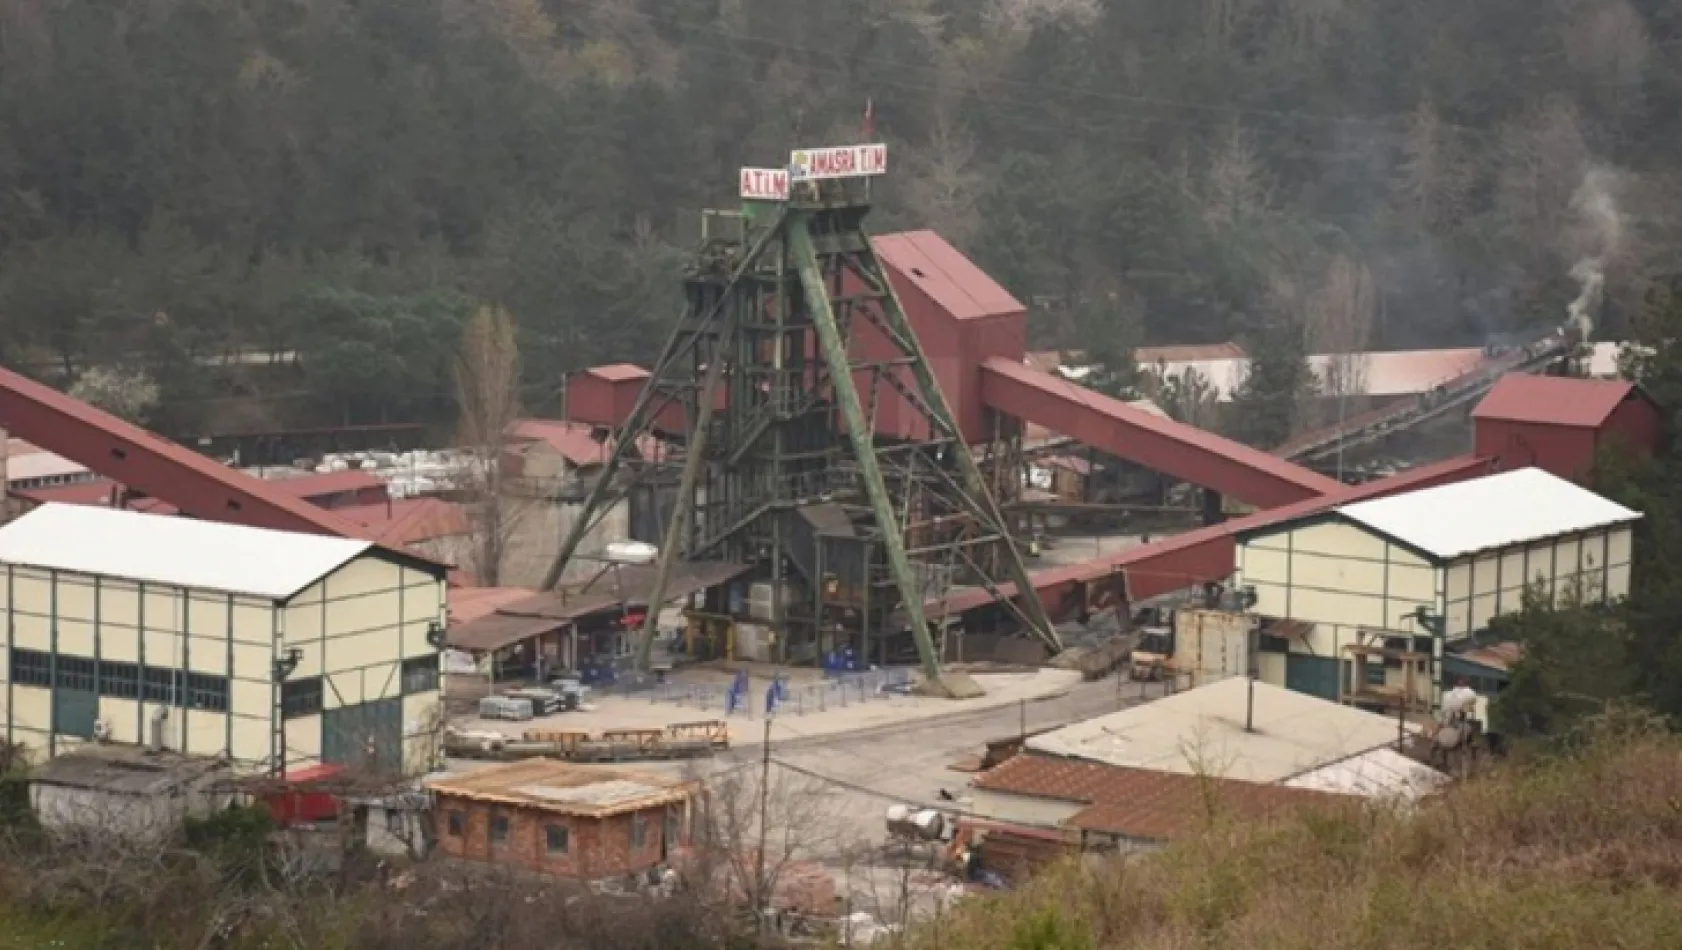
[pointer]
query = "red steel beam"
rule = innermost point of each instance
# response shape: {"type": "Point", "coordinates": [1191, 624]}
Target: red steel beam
{"type": "Point", "coordinates": [1184, 452]}
{"type": "Point", "coordinates": [132, 456]}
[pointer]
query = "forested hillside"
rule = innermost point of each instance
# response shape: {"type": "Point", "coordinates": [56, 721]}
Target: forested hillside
{"type": "Point", "coordinates": [345, 178]}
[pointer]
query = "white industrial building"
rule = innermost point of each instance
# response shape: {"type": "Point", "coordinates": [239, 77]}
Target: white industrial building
{"type": "Point", "coordinates": [269, 648]}
{"type": "Point", "coordinates": [1410, 574]}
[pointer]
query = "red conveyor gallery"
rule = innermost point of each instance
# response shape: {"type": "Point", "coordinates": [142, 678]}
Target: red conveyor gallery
{"type": "Point", "coordinates": [1172, 448]}
{"type": "Point", "coordinates": [148, 463]}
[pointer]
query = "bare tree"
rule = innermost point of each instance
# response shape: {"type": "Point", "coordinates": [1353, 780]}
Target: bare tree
{"type": "Point", "coordinates": [1339, 315]}
{"type": "Point", "coordinates": [943, 189]}
{"type": "Point", "coordinates": [1436, 177]}
{"type": "Point", "coordinates": [1543, 158]}
{"type": "Point", "coordinates": [1236, 186]}
{"type": "Point", "coordinates": [127, 394]}
{"type": "Point", "coordinates": [1607, 41]}
{"type": "Point", "coordinates": [487, 378]}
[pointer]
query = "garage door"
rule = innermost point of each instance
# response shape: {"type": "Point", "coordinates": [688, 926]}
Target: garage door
{"type": "Point", "coordinates": [1314, 675]}
{"type": "Point", "coordinates": [350, 733]}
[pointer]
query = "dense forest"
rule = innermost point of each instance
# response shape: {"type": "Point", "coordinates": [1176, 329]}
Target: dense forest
{"type": "Point", "coordinates": [346, 179]}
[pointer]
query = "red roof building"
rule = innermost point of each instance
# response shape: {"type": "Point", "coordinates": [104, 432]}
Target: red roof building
{"type": "Point", "coordinates": [1560, 424]}
{"type": "Point", "coordinates": [1141, 805]}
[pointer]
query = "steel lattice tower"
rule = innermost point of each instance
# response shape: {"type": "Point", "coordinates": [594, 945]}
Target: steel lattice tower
{"type": "Point", "coordinates": [782, 464]}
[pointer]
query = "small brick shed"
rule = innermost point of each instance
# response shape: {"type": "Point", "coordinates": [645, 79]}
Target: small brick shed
{"type": "Point", "coordinates": [575, 821]}
{"type": "Point", "coordinates": [1559, 424]}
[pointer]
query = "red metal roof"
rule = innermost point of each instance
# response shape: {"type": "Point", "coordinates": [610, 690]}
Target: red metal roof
{"type": "Point", "coordinates": [575, 441]}
{"type": "Point", "coordinates": [410, 520]}
{"type": "Point", "coordinates": [318, 484]}
{"type": "Point", "coordinates": [924, 260]}
{"type": "Point", "coordinates": [1140, 803]}
{"type": "Point", "coordinates": [1185, 452]}
{"type": "Point", "coordinates": [1188, 353]}
{"type": "Point", "coordinates": [126, 453]}
{"type": "Point", "coordinates": [98, 493]}
{"type": "Point", "coordinates": [468, 604]}
{"type": "Point", "coordinates": [619, 372]}
{"type": "Point", "coordinates": [1553, 400]}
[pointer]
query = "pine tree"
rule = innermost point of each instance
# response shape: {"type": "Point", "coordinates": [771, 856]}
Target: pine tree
{"type": "Point", "coordinates": [1264, 408]}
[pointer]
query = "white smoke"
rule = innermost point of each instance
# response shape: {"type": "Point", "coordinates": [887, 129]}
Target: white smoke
{"type": "Point", "coordinates": [1599, 232]}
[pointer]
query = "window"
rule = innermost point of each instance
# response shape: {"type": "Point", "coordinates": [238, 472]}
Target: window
{"type": "Point", "coordinates": [639, 830]}
{"type": "Point", "coordinates": [207, 692]}
{"type": "Point", "coordinates": [119, 680]}
{"type": "Point", "coordinates": [499, 828]}
{"type": "Point", "coordinates": [32, 668]}
{"type": "Point", "coordinates": [1376, 674]}
{"type": "Point", "coordinates": [301, 697]}
{"type": "Point", "coordinates": [457, 823]}
{"type": "Point", "coordinates": [75, 672]}
{"type": "Point", "coordinates": [1267, 643]}
{"type": "Point", "coordinates": [393, 820]}
{"type": "Point", "coordinates": [159, 685]}
{"type": "Point", "coordinates": [559, 838]}
{"type": "Point", "coordinates": [420, 674]}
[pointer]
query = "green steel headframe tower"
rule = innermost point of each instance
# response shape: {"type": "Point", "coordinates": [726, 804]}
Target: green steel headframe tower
{"type": "Point", "coordinates": [782, 466]}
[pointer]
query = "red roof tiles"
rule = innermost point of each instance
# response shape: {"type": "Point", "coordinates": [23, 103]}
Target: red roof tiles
{"type": "Point", "coordinates": [1138, 803]}
{"type": "Point", "coordinates": [1553, 400]}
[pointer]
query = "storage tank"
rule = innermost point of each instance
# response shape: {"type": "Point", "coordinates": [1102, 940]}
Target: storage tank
{"type": "Point", "coordinates": [631, 552]}
{"type": "Point", "coordinates": [919, 824]}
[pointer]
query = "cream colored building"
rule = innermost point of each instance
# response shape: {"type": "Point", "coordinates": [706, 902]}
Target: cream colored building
{"type": "Point", "coordinates": [1422, 570]}
{"type": "Point", "coordinates": [273, 648]}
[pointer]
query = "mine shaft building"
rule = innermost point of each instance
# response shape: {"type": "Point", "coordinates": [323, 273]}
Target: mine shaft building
{"type": "Point", "coordinates": [272, 648]}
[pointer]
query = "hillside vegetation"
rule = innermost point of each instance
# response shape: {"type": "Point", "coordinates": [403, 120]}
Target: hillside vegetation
{"type": "Point", "coordinates": [1571, 852]}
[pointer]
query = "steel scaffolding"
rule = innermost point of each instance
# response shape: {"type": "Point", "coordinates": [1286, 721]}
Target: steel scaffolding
{"type": "Point", "coordinates": [783, 464]}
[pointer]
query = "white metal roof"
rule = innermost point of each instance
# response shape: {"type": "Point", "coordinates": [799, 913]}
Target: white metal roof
{"type": "Point", "coordinates": [1495, 511]}
{"type": "Point", "coordinates": [32, 465]}
{"type": "Point", "coordinates": [181, 552]}
{"type": "Point", "coordinates": [1202, 731]}
{"type": "Point", "coordinates": [1380, 773]}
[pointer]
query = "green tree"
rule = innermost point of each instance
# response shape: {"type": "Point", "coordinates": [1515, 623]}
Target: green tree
{"type": "Point", "coordinates": [1263, 410]}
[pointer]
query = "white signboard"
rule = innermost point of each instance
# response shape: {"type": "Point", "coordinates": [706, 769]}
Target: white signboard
{"type": "Point", "coordinates": [765, 184]}
{"type": "Point", "coordinates": [845, 161]}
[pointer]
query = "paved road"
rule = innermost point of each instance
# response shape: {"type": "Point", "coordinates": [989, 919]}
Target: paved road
{"type": "Point", "coordinates": [910, 762]}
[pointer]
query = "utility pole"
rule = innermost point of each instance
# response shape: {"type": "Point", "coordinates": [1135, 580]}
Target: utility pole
{"type": "Point", "coordinates": [761, 899]}
{"type": "Point", "coordinates": [1022, 718]}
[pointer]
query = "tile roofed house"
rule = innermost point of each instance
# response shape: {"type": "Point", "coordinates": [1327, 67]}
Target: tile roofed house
{"type": "Point", "coordinates": [1140, 805]}
{"type": "Point", "coordinates": [561, 818]}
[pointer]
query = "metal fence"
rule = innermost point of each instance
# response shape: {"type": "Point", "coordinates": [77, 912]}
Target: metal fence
{"type": "Point", "coordinates": [797, 699]}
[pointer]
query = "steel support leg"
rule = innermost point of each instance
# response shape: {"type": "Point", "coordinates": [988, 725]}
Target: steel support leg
{"type": "Point", "coordinates": [862, 439]}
